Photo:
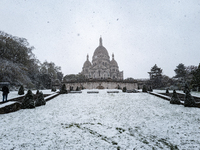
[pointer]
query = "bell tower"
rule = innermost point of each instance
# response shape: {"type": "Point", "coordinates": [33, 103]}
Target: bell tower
{"type": "Point", "coordinates": [100, 42]}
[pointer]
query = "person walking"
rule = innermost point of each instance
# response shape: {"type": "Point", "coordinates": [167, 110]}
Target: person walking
{"type": "Point", "coordinates": [5, 91]}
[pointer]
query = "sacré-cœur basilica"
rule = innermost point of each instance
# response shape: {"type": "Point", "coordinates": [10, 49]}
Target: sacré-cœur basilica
{"type": "Point", "coordinates": [101, 67]}
{"type": "Point", "coordinates": [101, 73]}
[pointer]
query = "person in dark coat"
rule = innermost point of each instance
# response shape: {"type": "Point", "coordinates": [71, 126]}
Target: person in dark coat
{"type": "Point", "coordinates": [5, 91]}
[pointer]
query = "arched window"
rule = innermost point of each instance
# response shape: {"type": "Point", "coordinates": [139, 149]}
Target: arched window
{"type": "Point", "coordinates": [114, 76]}
{"type": "Point", "coordinates": [104, 76]}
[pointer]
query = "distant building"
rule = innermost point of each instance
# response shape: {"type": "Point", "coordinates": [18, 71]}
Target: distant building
{"type": "Point", "coordinates": [101, 67]}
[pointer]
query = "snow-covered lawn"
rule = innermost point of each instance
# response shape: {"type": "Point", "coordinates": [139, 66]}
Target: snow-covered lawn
{"type": "Point", "coordinates": [102, 121]}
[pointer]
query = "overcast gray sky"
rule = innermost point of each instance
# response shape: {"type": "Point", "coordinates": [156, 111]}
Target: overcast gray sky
{"type": "Point", "coordinates": [140, 33]}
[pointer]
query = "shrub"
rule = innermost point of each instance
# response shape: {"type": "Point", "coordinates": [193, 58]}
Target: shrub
{"type": "Point", "coordinates": [189, 100]}
{"type": "Point", "coordinates": [77, 88]}
{"type": "Point", "coordinates": [144, 89]}
{"type": "Point", "coordinates": [37, 92]}
{"type": "Point", "coordinates": [28, 101]}
{"type": "Point", "coordinates": [21, 90]}
{"type": "Point", "coordinates": [63, 89]}
{"type": "Point", "coordinates": [150, 89]}
{"type": "Point", "coordinates": [53, 89]}
{"type": "Point", "coordinates": [40, 99]}
{"type": "Point", "coordinates": [124, 89]}
{"type": "Point", "coordinates": [175, 99]}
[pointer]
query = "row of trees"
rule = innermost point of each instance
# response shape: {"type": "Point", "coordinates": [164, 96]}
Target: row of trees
{"type": "Point", "coordinates": [189, 74]}
{"type": "Point", "coordinates": [183, 74]}
{"type": "Point", "coordinates": [74, 77]}
{"type": "Point", "coordinates": [19, 66]}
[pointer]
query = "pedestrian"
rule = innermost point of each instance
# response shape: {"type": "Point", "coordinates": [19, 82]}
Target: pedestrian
{"type": "Point", "coordinates": [5, 91]}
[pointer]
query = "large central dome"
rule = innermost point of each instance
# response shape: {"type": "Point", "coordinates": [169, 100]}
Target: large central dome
{"type": "Point", "coordinates": [100, 51]}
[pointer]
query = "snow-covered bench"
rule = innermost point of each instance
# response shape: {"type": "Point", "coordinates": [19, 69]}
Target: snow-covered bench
{"type": "Point", "coordinates": [91, 92]}
{"type": "Point", "coordinates": [73, 92]}
{"type": "Point", "coordinates": [112, 91]}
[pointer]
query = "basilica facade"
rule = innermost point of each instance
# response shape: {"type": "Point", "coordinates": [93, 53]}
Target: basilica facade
{"type": "Point", "coordinates": [101, 66]}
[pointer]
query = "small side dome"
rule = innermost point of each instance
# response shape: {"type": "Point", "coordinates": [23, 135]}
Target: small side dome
{"type": "Point", "coordinates": [113, 62]}
{"type": "Point", "coordinates": [87, 63]}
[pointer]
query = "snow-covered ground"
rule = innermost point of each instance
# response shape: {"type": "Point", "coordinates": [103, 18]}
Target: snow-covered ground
{"type": "Point", "coordinates": [102, 121]}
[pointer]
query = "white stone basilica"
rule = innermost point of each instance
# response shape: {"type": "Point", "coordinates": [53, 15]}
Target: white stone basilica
{"type": "Point", "coordinates": [101, 66]}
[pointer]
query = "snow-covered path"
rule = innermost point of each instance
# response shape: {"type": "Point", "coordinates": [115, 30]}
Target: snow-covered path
{"type": "Point", "coordinates": [102, 121]}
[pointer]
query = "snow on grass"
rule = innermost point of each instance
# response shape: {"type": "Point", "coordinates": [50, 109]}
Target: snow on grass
{"type": "Point", "coordinates": [102, 121]}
